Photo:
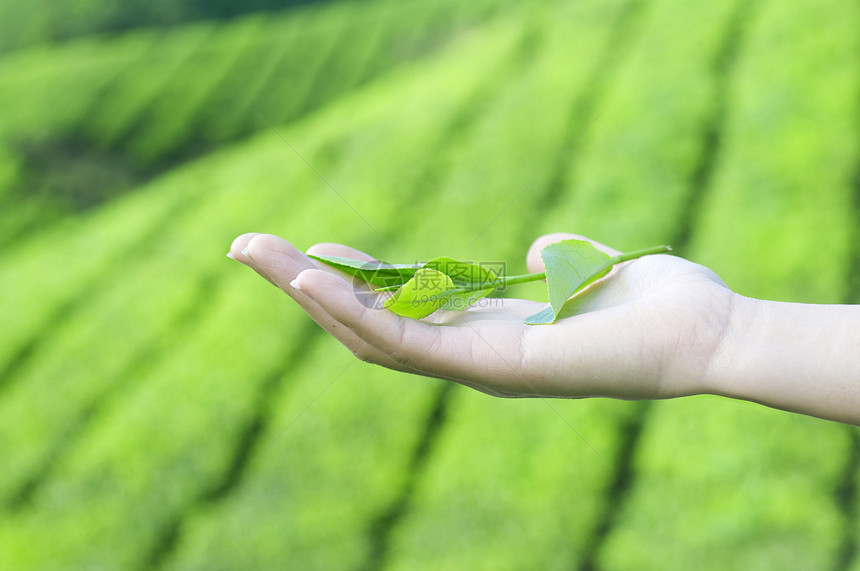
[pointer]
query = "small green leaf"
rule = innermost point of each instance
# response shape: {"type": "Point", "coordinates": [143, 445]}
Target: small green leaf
{"type": "Point", "coordinates": [466, 276]}
{"type": "Point", "coordinates": [376, 273]}
{"type": "Point", "coordinates": [463, 274]}
{"type": "Point", "coordinates": [571, 265]}
{"type": "Point", "coordinates": [445, 283]}
{"type": "Point", "coordinates": [421, 295]}
{"type": "Point", "coordinates": [458, 300]}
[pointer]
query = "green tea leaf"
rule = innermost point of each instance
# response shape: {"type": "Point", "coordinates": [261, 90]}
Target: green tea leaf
{"type": "Point", "coordinates": [466, 276]}
{"type": "Point", "coordinates": [458, 299]}
{"type": "Point", "coordinates": [446, 283]}
{"type": "Point", "coordinates": [463, 274]}
{"type": "Point", "coordinates": [571, 265]}
{"type": "Point", "coordinates": [421, 295]}
{"type": "Point", "coordinates": [376, 273]}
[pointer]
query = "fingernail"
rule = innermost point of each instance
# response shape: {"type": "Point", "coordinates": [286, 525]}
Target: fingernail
{"type": "Point", "coordinates": [295, 285]}
{"type": "Point", "coordinates": [230, 255]}
{"type": "Point", "coordinates": [245, 253]}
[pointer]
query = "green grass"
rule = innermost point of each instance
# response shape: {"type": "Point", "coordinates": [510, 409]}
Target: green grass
{"type": "Point", "coordinates": [162, 407]}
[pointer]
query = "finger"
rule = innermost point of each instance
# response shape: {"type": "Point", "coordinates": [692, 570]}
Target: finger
{"type": "Point", "coordinates": [376, 356]}
{"type": "Point", "coordinates": [279, 262]}
{"type": "Point", "coordinates": [450, 352]}
{"type": "Point", "coordinates": [333, 249]}
{"type": "Point", "coordinates": [359, 347]}
{"type": "Point", "coordinates": [534, 260]}
{"type": "Point", "coordinates": [239, 244]}
{"type": "Point", "coordinates": [238, 252]}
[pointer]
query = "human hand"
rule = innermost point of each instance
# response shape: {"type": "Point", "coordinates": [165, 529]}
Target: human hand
{"type": "Point", "coordinates": [650, 329]}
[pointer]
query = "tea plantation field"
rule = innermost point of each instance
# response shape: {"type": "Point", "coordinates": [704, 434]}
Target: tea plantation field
{"type": "Point", "coordinates": [162, 407]}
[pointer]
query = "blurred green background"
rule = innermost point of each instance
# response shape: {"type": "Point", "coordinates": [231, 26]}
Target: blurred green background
{"type": "Point", "coordinates": [163, 407]}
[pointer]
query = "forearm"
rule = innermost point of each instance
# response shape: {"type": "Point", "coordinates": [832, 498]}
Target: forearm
{"type": "Point", "coordinates": [798, 357]}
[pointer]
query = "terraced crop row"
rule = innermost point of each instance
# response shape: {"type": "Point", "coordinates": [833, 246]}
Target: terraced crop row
{"type": "Point", "coordinates": [31, 90]}
{"type": "Point", "coordinates": [146, 402]}
{"type": "Point", "coordinates": [156, 98]}
{"type": "Point", "coordinates": [554, 489]}
{"type": "Point", "coordinates": [754, 487]}
{"type": "Point", "coordinates": [33, 81]}
{"type": "Point", "coordinates": [161, 407]}
{"type": "Point", "coordinates": [47, 22]}
{"type": "Point", "coordinates": [318, 501]}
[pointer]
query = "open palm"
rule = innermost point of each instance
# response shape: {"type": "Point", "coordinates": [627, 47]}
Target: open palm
{"type": "Point", "coordinates": [648, 330]}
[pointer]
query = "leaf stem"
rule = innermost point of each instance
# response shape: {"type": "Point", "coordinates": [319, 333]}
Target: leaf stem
{"type": "Point", "coordinates": [624, 257]}
{"type": "Point", "coordinates": [521, 279]}
{"type": "Point", "coordinates": [525, 278]}
{"type": "Point", "coordinates": [639, 253]}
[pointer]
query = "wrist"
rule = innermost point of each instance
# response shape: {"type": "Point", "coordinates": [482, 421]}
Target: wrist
{"type": "Point", "coordinates": [790, 356]}
{"type": "Point", "coordinates": [724, 373]}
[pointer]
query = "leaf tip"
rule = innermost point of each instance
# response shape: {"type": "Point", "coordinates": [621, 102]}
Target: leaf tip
{"type": "Point", "coordinates": [543, 317]}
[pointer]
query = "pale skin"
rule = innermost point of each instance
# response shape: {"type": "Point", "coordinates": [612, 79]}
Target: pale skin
{"type": "Point", "coordinates": [656, 327]}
